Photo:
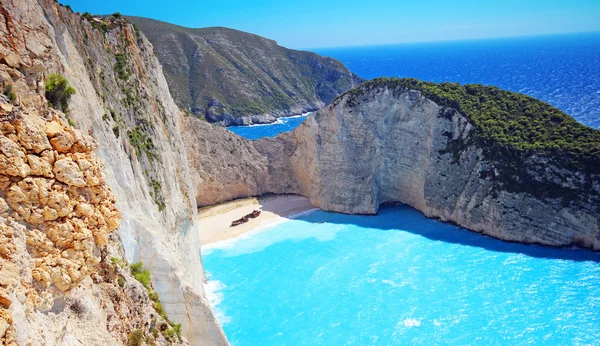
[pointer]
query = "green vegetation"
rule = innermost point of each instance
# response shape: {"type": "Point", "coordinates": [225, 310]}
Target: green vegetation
{"type": "Point", "coordinates": [509, 123]}
{"type": "Point", "coordinates": [275, 82]}
{"type": "Point", "coordinates": [9, 93]}
{"type": "Point", "coordinates": [142, 143]}
{"type": "Point", "coordinates": [121, 66]}
{"type": "Point", "coordinates": [117, 15]}
{"type": "Point", "coordinates": [105, 117]}
{"type": "Point", "coordinates": [102, 26]}
{"type": "Point", "coordinates": [88, 16]}
{"type": "Point", "coordinates": [135, 338]}
{"type": "Point", "coordinates": [58, 91]}
{"type": "Point", "coordinates": [156, 194]}
{"type": "Point", "coordinates": [68, 7]}
{"type": "Point", "coordinates": [510, 128]}
{"type": "Point", "coordinates": [143, 276]}
{"type": "Point", "coordinates": [140, 274]}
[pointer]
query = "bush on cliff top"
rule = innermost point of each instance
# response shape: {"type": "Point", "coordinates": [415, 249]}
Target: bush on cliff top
{"type": "Point", "coordinates": [508, 124]}
{"type": "Point", "coordinates": [58, 91]}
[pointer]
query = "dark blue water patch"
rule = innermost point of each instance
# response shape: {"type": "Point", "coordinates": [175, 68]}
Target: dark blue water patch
{"type": "Point", "coordinates": [563, 70]}
{"type": "Point", "coordinates": [254, 132]}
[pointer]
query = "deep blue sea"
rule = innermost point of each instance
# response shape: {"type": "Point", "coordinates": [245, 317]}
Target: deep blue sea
{"type": "Point", "coordinates": [399, 279]}
{"type": "Point", "coordinates": [563, 70]}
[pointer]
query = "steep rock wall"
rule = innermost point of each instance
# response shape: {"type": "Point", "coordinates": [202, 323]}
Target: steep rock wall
{"type": "Point", "coordinates": [395, 145]}
{"type": "Point", "coordinates": [123, 102]}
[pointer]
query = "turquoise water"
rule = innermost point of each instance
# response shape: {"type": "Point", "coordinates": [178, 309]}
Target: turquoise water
{"type": "Point", "coordinates": [400, 279]}
{"type": "Point", "coordinates": [269, 130]}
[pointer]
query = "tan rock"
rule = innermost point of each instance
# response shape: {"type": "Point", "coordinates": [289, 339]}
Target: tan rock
{"type": "Point", "coordinates": [40, 166]}
{"type": "Point", "coordinates": [62, 142]}
{"type": "Point", "coordinates": [68, 172]}
{"type": "Point", "coordinates": [12, 59]}
{"type": "Point", "coordinates": [53, 128]}
{"type": "Point", "coordinates": [31, 133]}
{"type": "Point", "coordinates": [12, 159]}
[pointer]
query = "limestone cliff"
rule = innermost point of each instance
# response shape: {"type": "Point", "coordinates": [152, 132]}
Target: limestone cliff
{"type": "Point", "coordinates": [387, 142]}
{"type": "Point", "coordinates": [120, 165]}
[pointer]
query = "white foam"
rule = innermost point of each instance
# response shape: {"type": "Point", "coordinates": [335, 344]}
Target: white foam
{"type": "Point", "coordinates": [412, 322]}
{"type": "Point", "coordinates": [213, 290]}
{"type": "Point", "coordinates": [391, 283]}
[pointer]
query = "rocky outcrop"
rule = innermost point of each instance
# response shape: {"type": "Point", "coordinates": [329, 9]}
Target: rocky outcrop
{"type": "Point", "coordinates": [235, 78]}
{"type": "Point", "coordinates": [224, 165]}
{"type": "Point", "coordinates": [63, 184]}
{"type": "Point", "coordinates": [389, 143]}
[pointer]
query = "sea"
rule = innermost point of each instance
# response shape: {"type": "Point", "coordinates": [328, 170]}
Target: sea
{"type": "Point", "coordinates": [398, 278]}
{"type": "Point", "coordinates": [563, 70]}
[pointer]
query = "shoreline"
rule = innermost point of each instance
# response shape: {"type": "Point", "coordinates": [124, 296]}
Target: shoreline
{"type": "Point", "coordinates": [214, 221]}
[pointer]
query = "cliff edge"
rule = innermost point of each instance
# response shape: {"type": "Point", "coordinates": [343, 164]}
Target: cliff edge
{"type": "Point", "coordinates": [492, 161]}
{"type": "Point", "coordinates": [93, 186]}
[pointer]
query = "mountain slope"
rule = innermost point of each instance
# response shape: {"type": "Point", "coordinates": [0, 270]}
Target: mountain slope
{"type": "Point", "coordinates": [233, 77]}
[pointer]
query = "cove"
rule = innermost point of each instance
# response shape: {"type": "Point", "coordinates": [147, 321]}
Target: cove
{"type": "Point", "coordinates": [399, 278]}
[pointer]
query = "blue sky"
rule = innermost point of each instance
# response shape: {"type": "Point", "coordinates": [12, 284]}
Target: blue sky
{"type": "Point", "coordinates": [332, 23]}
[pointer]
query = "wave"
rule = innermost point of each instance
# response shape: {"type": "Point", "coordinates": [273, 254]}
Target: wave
{"type": "Point", "coordinates": [213, 291]}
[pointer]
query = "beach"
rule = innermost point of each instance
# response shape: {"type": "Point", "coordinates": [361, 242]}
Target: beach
{"type": "Point", "coordinates": [214, 221]}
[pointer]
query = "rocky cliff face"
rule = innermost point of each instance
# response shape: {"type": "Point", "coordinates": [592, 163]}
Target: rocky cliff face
{"type": "Point", "coordinates": [120, 166]}
{"type": "Point", "coordinates": [236, 78]}
{"type": "Point", "coordinates": [388, 143]}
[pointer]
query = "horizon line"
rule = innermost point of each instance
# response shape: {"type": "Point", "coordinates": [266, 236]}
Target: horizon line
{"type": "Point", "coordinates": [449, 40]}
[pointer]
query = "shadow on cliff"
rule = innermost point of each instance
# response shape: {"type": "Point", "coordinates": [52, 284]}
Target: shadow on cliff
{"type": "Point", "coordinates": [402, 218]}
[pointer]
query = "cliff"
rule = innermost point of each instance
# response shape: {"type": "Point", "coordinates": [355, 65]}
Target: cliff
{"type": "Point", "coordinates": [236, 78]}
{"type": "Point", "coordinates": [90, 189]}
{"type": "Point", "coordinates": [492, 161]}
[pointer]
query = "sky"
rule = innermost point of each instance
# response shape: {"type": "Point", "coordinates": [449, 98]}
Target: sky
{"type": "Point", "coordinates": [334, 23]}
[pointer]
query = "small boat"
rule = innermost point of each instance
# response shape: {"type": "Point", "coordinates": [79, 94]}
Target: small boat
{"type": "Point", "coordinates": [254, 214]}
{"type": "Point", "coordinates": [239, 221]}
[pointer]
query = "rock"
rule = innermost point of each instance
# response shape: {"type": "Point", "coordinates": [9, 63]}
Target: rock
{"type": "Point", "coordinates": [31, 133]}
{"type": "Point", "coordinates": [12, 59]}
{"type": "Point", "coordinates": [62, 142]}
{"type": "Point", "coordinates": [12, 159]}
{"type": "Point", "coordinates": [40, 166]}
{"type": "Point", "coordinates": [68, 172]}
{"type": "Point", "coordinates": [395, 145]}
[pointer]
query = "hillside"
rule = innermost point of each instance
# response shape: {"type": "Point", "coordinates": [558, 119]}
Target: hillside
{"type": "Point", "coordinates": [233, 77]}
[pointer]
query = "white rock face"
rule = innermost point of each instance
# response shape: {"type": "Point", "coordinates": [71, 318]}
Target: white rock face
{"type": "Point", "coordinates": [392, 146]}
{"type": "Point", "coordinates": [123, 101]}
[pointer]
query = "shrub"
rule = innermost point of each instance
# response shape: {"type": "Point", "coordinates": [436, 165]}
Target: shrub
{"type": "Point", "coordinates": [140, 274]}
{"type": "Point", "coordinates": [135, 338]}
{"type": "Point", "coordinates": [68, 7]}
{"type": "Point", "coordinates": [88, 16]}
{"type": "Point", "coordinates": [116, 130]}
{"type": "Point", "coordinates": [121, 66]}
{"type": "Point", "coordinates": [170, 333]}
{"type": "Point", "coordinates": [9, 93]}
{"type": "Point", "coordinates": [105, 117]}
{"type": "Point", "coordinates": [121, 281]}
{"type": "Point", "coordinates": [58, 91]}
{"type": "Point", "coordinates": [117, 15]}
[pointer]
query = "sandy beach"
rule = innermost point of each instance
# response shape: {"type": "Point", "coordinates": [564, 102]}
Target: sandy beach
{"type": "Point", "coordinates": [214, 221]}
